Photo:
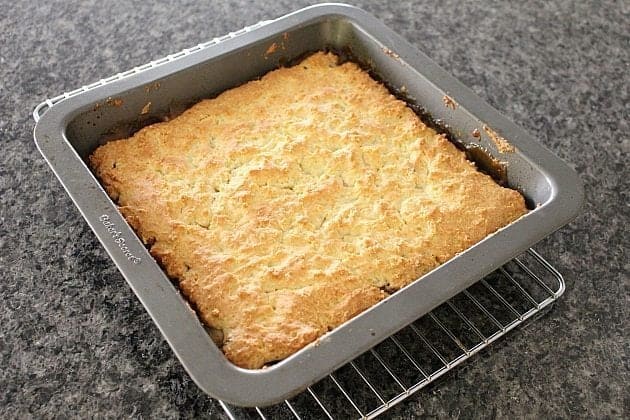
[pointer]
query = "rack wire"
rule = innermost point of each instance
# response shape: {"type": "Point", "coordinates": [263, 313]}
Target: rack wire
{"type": "Point", "coordinates": [48, 103]}
{"type": "Point", "coordinates": [420, 353]}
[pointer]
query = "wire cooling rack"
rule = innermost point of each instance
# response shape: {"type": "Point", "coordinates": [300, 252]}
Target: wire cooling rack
{"type": "Point", "coordinates": [426, 349]}
{"type": "Point", "coordinates": [421, 352]}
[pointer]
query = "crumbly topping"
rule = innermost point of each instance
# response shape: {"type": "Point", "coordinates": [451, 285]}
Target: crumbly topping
{"type": "Point", "coordinates": [502, 144]}
{"type": "Point", "coordinates": [288, 205]}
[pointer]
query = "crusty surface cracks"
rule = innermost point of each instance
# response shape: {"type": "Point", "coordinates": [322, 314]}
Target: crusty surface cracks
{"type": "Point", "coordinates": [290, 204]}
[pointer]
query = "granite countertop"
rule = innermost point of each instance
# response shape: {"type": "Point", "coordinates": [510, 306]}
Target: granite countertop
{"type": "Point", "coordinates": [75, 341]}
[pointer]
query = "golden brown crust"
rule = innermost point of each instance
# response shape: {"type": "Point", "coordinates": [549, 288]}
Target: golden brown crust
{"type": "Point", "coordinates": [502, 144]}
{"type": "Point", "coordinates": [288, 205]}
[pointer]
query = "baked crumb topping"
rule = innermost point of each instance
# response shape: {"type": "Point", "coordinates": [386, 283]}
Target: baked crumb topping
{"type": "Point", "coordinates": [288, 205]}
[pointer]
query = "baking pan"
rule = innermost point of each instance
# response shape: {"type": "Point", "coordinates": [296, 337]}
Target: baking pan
{"type": "Point", "coordinates": [73, 125]}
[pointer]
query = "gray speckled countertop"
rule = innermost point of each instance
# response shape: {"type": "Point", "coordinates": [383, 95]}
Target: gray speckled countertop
{"type": "Point", "coordinates": [74, 340]}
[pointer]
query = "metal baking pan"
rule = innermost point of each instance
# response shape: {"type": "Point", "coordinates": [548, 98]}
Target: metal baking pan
{"type": "Point", "coordinates": [74, 124]}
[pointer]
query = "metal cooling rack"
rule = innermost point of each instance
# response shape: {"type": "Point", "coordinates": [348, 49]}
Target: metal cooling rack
{"type": "Point", "coordinates": [426, 349]}
{"type": "Point", "coordinates": [421, 352]}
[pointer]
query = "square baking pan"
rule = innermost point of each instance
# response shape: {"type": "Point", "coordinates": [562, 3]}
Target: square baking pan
{"type": "Point", "coordinates": [71, 126]}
